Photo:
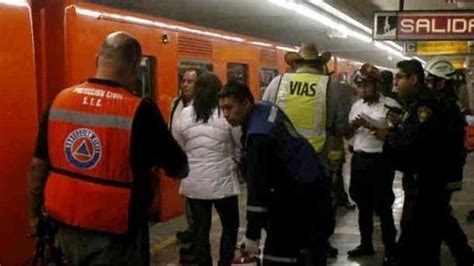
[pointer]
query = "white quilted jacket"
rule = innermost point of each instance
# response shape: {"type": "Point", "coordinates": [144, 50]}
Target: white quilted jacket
{"type": "Point", "coordinates": [211, 148]}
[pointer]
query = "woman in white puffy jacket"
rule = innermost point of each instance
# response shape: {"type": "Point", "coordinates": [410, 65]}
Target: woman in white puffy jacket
{"type": "Point", "coordinates": [212, 146]}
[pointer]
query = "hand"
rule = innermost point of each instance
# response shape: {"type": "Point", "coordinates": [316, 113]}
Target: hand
{"type": "Point", "coordinates": [360, 122]}
{"type": "Point", "coordinates": [393, 119]}
{"type": "Point", "coordinates": [250, 246]}
{"type": "Point", "coordinates": [184, 172]}
{"type": "Point", "coordinates": [380, 133]}
{"type": "Point", "coordinates": [179, 174]}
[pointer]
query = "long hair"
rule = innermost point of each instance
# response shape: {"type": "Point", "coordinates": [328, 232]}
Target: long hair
{"type": "Point", "coordinates": [205, 100]}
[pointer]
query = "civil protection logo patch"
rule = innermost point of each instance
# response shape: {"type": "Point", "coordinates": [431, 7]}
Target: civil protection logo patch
{"type": "Point", "coordinates": [82, 148]}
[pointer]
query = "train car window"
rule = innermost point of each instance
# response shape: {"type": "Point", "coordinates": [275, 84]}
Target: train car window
{"type": "Point", "coordinates": [237, 71]}
{"type": "Point", "coordinates": [200, 66]}
{"type": "Point", "coordinates": [146, 77]}
{"type": "Point", "coordinates": [266, 76]}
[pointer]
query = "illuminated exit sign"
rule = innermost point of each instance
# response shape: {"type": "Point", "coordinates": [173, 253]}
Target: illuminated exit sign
{"type": "Point", "coordinates": [453, 25]}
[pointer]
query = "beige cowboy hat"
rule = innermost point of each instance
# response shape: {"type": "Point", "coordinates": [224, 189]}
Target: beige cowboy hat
{"type": "Point", "coordinates": [307, 52]}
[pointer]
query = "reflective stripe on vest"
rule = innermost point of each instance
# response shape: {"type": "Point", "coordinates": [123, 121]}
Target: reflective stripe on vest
{"type": "Point", "coordinates": [303, 97]}
{"type": "Point", "coordinates": [257, 209]}
{"type": "Point", "coordinates": [89, 130]}
{"type": "Point", "coordinates": [279, 259]}
{"type": "Point", "coordinates": [87, 119]}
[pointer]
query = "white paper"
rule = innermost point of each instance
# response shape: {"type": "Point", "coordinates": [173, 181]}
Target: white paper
{"type": "Point", "coordinates": [374, 122]}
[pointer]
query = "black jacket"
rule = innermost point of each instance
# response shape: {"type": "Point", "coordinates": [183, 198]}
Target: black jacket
{"type": "Point", "coordinates": [417, 146]}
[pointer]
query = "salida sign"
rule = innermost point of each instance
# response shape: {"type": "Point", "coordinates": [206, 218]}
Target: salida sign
{"type": "Point", "coordinates": [431, 26]}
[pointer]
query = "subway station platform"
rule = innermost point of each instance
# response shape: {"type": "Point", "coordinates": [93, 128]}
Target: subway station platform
{"type": "Point", "coordinates": [164, 248]}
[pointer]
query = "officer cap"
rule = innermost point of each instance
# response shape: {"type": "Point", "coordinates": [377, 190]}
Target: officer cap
{"type": "Point", "coordinates": [367, 72]}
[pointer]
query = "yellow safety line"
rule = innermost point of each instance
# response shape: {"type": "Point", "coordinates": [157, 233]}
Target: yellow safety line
{"type": "Point", "coordinates": [169, 241]}
{"type": "Point", "coordinates": [163, 244]}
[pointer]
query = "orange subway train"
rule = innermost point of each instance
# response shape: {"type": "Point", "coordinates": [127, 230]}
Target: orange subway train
{"type": "Point", "coordinates": [49, 45]}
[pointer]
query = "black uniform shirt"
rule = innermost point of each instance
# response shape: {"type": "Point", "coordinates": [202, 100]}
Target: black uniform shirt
{"type": "Point", "coordinates": [456, 152]}
{"type": "Point", "coordinates": [151, 145]}
{"type": "Point", "coordinates": [417, 146]}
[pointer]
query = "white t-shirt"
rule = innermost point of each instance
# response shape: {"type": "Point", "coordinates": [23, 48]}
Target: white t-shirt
{"type": "Point", "coordinates": [364, 140]}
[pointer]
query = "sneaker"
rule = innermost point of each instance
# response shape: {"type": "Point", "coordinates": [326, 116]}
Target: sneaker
{"type": "Point", "coordinates": [389, 261]}
{"type": "Point", "coordinates": [361, 250]}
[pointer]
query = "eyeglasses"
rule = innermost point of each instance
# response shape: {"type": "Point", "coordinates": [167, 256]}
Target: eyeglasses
{"type": "Point", "coordinates": [400, 76]}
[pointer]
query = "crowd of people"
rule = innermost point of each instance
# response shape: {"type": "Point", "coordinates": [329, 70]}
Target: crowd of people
{"type": "Point", "coordinates": [92, 165]}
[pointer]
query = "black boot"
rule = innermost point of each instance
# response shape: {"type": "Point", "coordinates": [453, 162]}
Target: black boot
{"type": "Point", "coordinates": [389, 261]}
{"type": "Point", "coordinates": [361, 250]}
{"type": "Point", "coordinates": [470, 216]}
{"type": "Point", "coordinates": [332, 251]}
{"type": "Point", "coordinates": [390, 256]}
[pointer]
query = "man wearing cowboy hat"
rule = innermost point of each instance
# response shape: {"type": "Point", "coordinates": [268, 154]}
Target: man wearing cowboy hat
{"type": "Point", "coordinates": [303, 96]}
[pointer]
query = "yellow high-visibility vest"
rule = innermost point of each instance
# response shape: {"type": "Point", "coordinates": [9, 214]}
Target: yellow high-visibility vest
{"type": "Point", "coordinates": [303, 97]}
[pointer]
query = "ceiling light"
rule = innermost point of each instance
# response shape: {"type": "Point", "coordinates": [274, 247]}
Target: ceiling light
{"type": "Point", "coordinates": [287, 49]}
{"type": "Point", "coordinates": [264, 44]}
{"type": "Point", "coordinates": [383, 46]}
{"type": "Point", "coordinates": [333, 11]}
{"type": "Point", "coordinates": [320, 17]}
{"type": "Point", "coordinates": [423, 62]}
{"type": "Point", "coordinates": [152, 23]}
{"type": "Point", "coordinates": [22, 3]}
{"type": "Point", "coordinates": [394, 45]}
{"type": "Point", "coordinates": [388, 46]}
{"type": "Point", "coordinates": [385, 68]}
{"type": "Point", "coordinates": [88, 13]}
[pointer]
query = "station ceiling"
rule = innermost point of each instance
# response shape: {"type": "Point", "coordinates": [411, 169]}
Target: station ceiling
{"type": "Point", "coordinates": [263, 19]}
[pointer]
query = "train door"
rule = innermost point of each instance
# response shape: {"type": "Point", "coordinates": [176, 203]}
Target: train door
{"type": "Point", "coordinates": [238, 71]}
{"type": "Point", "coordinates": [146, 77]}
{"type": "Point", "coordinates": [201, 66]}
{"type": "Point", "coordinates": [19, 116]}
{"type": "Point", "coordinates": [266, 76]}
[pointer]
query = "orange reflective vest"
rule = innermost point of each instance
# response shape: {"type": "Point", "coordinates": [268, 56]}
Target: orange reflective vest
{"type": "Point", "coordinates": [89, 185]}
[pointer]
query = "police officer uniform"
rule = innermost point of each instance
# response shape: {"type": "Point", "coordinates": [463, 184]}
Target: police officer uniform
{"type": "Point", "coordinates": [416, 146]}
{"type": "Point", "coordinates": [288, 192]}
{"type": "Point", "coordinates": [453, 234]}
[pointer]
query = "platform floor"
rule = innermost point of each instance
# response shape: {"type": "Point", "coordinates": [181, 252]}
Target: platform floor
{"type": "Point", "coordinates": [164, 249]}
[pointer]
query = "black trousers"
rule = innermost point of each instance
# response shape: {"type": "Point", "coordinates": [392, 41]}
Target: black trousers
{"type": "Point", "coordinates": [340, 195]}
{"type": "Point", "coordinates": [424, 213]}
{"type": "Point", "coordinates": [201, 211]}
{"type": "Point", "coordinates": [371, 189]}
{"type": "Point", "coordinates": [455, 238]}
{"type": "Point", "coordinates": [299, 225]}
{"type": "Point", "coordinates": [285, 246]}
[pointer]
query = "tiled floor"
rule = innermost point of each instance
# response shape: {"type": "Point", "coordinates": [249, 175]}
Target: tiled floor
{"type": "Point", "coordinates": [165, 251]}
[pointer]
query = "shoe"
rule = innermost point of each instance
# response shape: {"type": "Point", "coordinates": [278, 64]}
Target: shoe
{"type": "Point", "coordinates": [361, 250]}
{"type": "Point", "coordinates": [389, 261]}
{"type": "Point", "coordinates": [332, 251]}
{"type": "Point", "coordinates": [346, 205]}
{"type": "Point", "coordinates": [470, 216]}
